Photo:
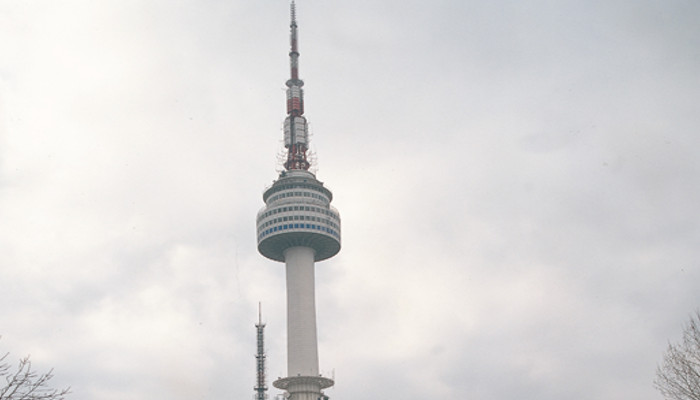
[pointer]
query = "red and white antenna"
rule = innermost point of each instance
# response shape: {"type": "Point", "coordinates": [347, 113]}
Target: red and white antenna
{"type": "Point", "coordinates": [296, 136]}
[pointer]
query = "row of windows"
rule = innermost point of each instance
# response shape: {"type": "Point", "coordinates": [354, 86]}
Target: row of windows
{"type": "Point", "coordinates": [315, 188]}
{"type": "Point", "coordinates": [299, 218]}
{"type": "Point", "coordinates": [319, 210]}
{"type": "Point", "coordinates": [298, 226]}
{"type": "Point", "coordinates": [298, 194]}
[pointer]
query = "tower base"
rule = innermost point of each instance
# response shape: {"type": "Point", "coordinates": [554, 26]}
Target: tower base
{"type": "Point", "coordinates": [304, 387]}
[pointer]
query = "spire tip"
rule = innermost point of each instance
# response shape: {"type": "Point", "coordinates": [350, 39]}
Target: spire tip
{"type": "Point", "coordinates": [293, 8]}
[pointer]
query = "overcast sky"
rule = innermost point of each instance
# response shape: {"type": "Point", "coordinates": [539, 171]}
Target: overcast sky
{"type": "Point", "coordinates": [519, 184]}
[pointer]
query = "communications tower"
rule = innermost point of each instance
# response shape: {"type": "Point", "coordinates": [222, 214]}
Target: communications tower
{"type": "Point", "coordinates": [298, 226]}
{"type": "Point", "coordinates": [261, 386]}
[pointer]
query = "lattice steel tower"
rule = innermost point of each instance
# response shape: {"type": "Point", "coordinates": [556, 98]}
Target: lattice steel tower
{"type": "Point", "coordinates": [261, 386]}
{"type": "Point", "coordinates": [298, 226]}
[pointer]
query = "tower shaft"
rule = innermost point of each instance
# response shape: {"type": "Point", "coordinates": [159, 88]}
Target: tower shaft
{"type": "Point", "coordinates": [302, 348]}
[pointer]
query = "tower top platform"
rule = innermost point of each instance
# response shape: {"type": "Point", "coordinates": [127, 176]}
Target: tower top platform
{"type": "Point", "coordinates": [296, 178]}
{"type": "Point", "coordinates": [297, 212]}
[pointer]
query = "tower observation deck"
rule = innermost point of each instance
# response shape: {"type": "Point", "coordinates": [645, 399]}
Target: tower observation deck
{"type": "Point", "coordinates": [298, 226]}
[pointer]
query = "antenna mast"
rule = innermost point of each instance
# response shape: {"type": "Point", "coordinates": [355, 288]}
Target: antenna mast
{"type": "Point", "coordinates": [261, 387]}
{"type": "Point", "coordinates": [296, 138]}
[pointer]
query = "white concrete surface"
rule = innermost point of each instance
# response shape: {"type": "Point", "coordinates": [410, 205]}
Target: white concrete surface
{"type": "Point", "coordinates": [302, 347]}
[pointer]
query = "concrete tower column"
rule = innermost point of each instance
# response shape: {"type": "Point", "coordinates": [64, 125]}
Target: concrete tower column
{"type": "Point", "coordinates": [302, 349]}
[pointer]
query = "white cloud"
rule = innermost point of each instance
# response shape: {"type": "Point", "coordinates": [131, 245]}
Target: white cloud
{"type": "Point", "coordinates": [517, 185]}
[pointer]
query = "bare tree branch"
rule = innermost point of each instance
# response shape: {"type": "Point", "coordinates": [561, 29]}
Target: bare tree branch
{"type": "Point", "coordinates": [678, 376]}
{"type": "Point", "coordinates": [25, 383]}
